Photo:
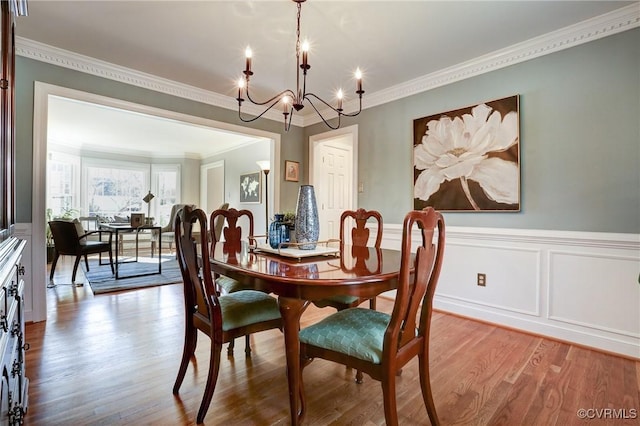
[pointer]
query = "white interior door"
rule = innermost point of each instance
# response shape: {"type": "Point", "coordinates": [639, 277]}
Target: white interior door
{"type": "Point", "coordinates": [212, 186]}
{"type": "Point", "coordinates": [333, 188]}
{"type": "Point", "coordinates": [333, 173]}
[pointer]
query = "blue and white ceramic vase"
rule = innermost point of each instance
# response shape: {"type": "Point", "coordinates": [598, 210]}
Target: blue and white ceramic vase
{"type": "Point", "coordinates": [278, 232]}
{"type": "Point", "coordinates": [307, 224]}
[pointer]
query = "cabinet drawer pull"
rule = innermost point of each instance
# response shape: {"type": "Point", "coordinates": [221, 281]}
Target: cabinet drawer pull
{"type": "Point", "coordinates": [13, 289]}
{"type": "Point", "coordinates": [4, 323]}
{"type": "Point", "coordinates": [16, 415]}
{"type": "Point", "coordinates": [16, 368]}
{"type": "Point", "coordinates": [16, 330]}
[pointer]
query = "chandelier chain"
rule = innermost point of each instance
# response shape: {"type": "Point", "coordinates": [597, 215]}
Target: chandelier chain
{"type": "Point", "coordinates": [298, 100]}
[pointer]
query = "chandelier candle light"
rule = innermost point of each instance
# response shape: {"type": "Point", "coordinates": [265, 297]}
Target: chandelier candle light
{"type": "Point", "coordinates": [293, 100]}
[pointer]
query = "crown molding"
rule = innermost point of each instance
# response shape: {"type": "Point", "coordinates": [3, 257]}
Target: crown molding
{"type": "Point", "coordinates": [611, 23]}
{"type": "Point", "coordinates": [620, 20]}
{"type": "Point", "coordinates": [88, 65]}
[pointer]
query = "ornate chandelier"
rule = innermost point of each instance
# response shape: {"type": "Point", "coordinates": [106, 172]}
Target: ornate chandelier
{"type": "Point", "coordinates": [293, 100]}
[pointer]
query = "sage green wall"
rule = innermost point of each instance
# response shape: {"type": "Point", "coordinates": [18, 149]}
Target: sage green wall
{"type": "Point", "coordinates": [29, 71]}
{"type": "Point", "coordinates": [238, 162]}
{"type": "Point", "coordinates": [579, 124]}
{"type": "Point", "coordinates": [580, 140]}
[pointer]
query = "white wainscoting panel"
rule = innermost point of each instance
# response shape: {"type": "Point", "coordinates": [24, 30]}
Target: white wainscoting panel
{"type": "Point", "coordinates": [512, 276]}
{"type": "Point", "coordinates": [580, 287]}
{"type": "Point", "coordinates": [588, 288]}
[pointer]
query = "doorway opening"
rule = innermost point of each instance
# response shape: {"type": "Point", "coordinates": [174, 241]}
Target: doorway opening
{"type": "Point", "coordinates": [333, 171]}
{"type": "Point", "coordinates": [43, 93]}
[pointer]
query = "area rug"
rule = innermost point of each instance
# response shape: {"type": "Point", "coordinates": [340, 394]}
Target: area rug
{"type": "Point", "coordinates": [102, 280]}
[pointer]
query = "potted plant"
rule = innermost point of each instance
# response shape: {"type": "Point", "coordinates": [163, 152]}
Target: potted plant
{"type": "Point", "coordinates": [290, 220]}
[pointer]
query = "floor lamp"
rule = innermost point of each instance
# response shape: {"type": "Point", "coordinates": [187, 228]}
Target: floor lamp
{"type": "Point", "coordinates": [147, 199]}
{"type": "Point", "coordinates": [265, 166]}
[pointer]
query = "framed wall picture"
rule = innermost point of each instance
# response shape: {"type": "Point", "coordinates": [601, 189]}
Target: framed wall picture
{"type": "Point", "coordinates": [250, 188]}
{"type": "Point", "coordinates": [468, 159]}
{"type": "Point", "coordinates": [291, 171]}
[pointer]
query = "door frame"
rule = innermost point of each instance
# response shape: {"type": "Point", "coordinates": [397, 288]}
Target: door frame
{"type": "Point", "coordinates": [42, 92]}
{"type": "Point", "coordinates": [204, 189]}
{"type": "Point", "coordinates": [315, 141]}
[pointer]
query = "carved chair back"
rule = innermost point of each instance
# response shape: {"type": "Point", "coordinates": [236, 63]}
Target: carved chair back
{"type": "Point", "coordinates": [360, 233]}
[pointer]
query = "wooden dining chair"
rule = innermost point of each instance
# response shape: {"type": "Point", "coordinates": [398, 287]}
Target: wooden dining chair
{"type": "Point", "coordinates": [360, 234]}
{"type": "Point", "coordinates": [227, 221]}
{"type": "Point", "coordinates": [381, 344]}
{"type": "Point", "coordinates": [221, 318]}
{"type": "Point", "coordinates": [359, 238]}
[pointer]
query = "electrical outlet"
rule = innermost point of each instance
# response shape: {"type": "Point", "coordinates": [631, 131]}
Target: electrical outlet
{"type": "Point", "coordinates": [482, 280]}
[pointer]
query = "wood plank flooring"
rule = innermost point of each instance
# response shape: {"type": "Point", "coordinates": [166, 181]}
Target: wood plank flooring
{"type": "Point", "coordinates": [111, 360]}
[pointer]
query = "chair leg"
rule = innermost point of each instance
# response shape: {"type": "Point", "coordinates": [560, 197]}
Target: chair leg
{"type": "Point", "coordinates": [75, 270]}
{"type": "Point", "coordinates": [190, 341]}
{"type": "Point", "coordinates": [359, 377]}
{"type": "Point", "coordinates": [425, 385]}
{"type": "Point", "coordinates": [247, 346]}
{"type": "Point", "coordinates": [86, 262]}
{"type": "Point", "coordinates": [389, 398]}
{"type": "Point", "coordinates": [56, 255]}
{"type": "Point", "coordinates": [230, 347]}
{"type": "Point", "coordinates": [113, 271]}
{"type": "Point", "coordinates": [214, 368]}
{"type": "Point", "coordinates": [372, 303]}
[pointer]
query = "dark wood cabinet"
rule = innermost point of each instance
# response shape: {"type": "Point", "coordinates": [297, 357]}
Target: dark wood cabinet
{"type": "Point", "coordinates": [7, 111]}
{"type": "Point", "coordinates": [13, 384]}
{"type": "Point", "coordinates": [14, 387]}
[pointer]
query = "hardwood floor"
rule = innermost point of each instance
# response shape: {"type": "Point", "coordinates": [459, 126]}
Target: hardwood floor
{"type": "Point", "coordinates": [112, 359]}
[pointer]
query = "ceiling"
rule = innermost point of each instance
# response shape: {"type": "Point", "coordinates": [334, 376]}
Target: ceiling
{"type": "Point", "coordinates": [92, 127]}
{"type": "Point", "coordinates": [201, 43]}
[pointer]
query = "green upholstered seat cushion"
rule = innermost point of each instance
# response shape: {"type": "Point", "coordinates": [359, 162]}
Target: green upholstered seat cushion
{"type": "Point", "coordinates": [341, 298]}
{"type": "Point", "coordinates": [356, 332]}
{"type": "Point", "coordinates": [247, 307]}
{"type": "Point", "coordinates": [229, 285]}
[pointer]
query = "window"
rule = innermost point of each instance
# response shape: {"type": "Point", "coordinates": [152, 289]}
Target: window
{"type": "Point", "coordinates": [82, 186]}
{"type": "Point", "coordinates": [63, 185]}
{"type": "Point", "coordinates": [114, 188]}
{"type": "Point", "coordinates": [166, 188]}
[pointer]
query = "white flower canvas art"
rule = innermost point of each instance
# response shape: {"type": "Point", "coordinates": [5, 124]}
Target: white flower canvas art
{"type": "Point", "coordinates": [468, 159]}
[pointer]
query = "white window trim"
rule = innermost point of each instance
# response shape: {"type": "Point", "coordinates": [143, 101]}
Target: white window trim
{"type": "Point", "coordinates": [155, 170]}
{"type": "Point", "coordinates": [75, 161]}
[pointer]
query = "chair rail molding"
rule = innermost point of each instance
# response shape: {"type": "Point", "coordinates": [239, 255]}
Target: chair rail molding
{"type": "Point", "coordinates": [579, 287]}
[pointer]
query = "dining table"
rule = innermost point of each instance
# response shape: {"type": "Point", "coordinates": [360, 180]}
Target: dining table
{"type": "Point", "coordinates": [125, 228]}
{"type": "Point", "coordinates": [298, 278]}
